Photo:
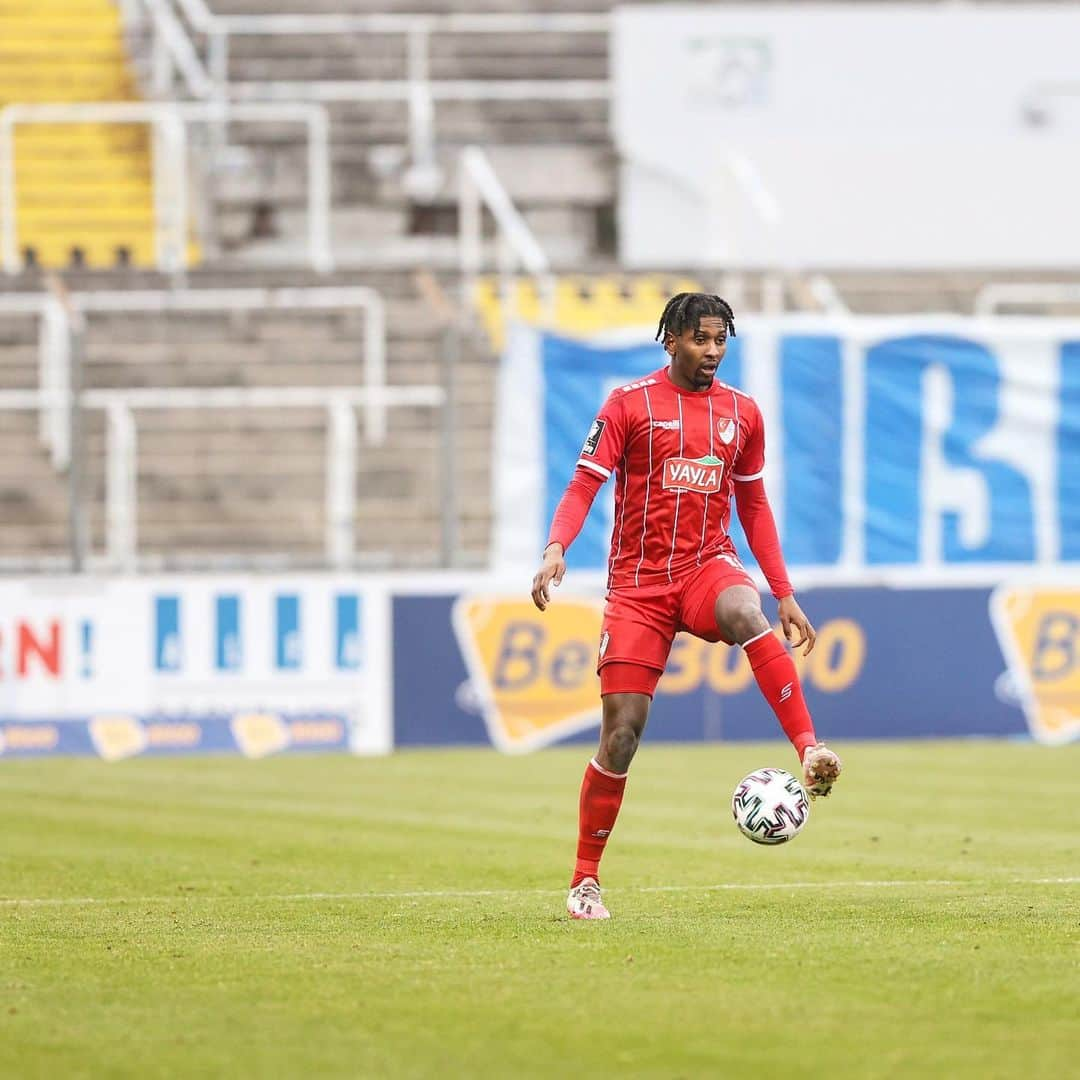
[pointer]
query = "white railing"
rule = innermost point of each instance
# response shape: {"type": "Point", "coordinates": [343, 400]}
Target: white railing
{"type": "Point", "coordinates": [54, 367]}
{"type": "Point", "coordinates": [1025, 294]}
{"type": "Point", "coordinates": [418, 90]}
{"type": "Point", "coordinates": [750, 186]}
{"type": "Point", "coordinates": [173, 50]}
{"type": "Point", "coordinates": [416, 30]}
{"type": "Point", "coordinates": [827, 295]}
{"type": "Point", "coordinates": [119, 406]}
{"type": "Point", "coordinates": [56, 326]}
{"type": "Point", "coordinates": [515, 245]}
{"type": "Point", "coordinates": [343, 298]}
{"type": "Point", "coordinates": [170, 165]}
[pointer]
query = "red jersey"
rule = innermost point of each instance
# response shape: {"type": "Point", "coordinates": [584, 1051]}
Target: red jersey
{"type": "Point", "coordinates": [676, 454]}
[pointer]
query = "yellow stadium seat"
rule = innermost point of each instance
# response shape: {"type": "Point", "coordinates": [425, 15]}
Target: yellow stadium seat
{"type": "Point", "coordinates": [583, 305]}
{"type": "Point", "coordinates": [78, 186]}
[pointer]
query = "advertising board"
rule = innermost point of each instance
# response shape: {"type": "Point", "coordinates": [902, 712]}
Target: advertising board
{"type": "Point", "coordinates": [171, 664]}
{"type": "Point", "coordinates": [889, 663]}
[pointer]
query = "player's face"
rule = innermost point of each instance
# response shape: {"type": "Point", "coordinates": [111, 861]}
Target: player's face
{"type": "Point", "coordinates": [696, 353]}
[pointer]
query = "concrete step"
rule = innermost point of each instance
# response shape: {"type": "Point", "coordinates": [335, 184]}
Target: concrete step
{"type": "Point", "coordinates": [366, 7]}
{"type": "Point", "coordinates": [457, 56]}
{"type": "Point", "coordinates": [17, 329]}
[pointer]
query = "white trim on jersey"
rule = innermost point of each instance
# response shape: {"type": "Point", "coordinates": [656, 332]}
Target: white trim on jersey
{"type": "Point", "coordinates": [726, 523]}
{"type": "Point", "coordinates": [705, 512]}
{"type": "Point", "coordinates": [735, 405]}
{"type": "Point", "coordinates": [605, 473]}
{"type": "Point", "coordinates": [648, 480]}
{"type": "Point", "coordinates": [678, 493]}
{"type": "Point", "coordinates": [622, 523]}
{"type": "Point", "coordinates": [756, 476]}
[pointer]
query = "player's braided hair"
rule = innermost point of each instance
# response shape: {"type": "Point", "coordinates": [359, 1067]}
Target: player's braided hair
{"type": "Point", "coordinates": [687, 308]}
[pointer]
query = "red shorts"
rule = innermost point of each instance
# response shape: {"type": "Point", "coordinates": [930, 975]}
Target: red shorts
{"type": "Point", "coordinates": [641, 623]}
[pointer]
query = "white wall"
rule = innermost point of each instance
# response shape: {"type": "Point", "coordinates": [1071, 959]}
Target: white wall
{"type": "Point", "coordinates": [883, 136]}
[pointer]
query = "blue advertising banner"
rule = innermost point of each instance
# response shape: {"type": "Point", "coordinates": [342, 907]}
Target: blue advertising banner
{"type": "Point", "coordinates": [912, 444]}
{"type": "Point", "coordinates": [889, 663]}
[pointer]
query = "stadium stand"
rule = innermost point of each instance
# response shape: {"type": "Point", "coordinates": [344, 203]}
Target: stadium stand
{"type": "Point", "coordinates": [552, 153]}
{"type": "Point", "coordinates": [85, 191]}
{"type": "Point", "coordinates": [214, 488]}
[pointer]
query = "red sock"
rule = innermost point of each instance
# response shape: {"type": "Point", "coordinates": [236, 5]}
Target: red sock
{"type": "Point", "coordinates": [601, 797]}
{"type": "Point", "coordinates": [779, 683]}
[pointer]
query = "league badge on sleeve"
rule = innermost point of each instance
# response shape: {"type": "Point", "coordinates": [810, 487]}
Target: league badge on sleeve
{"type": "Point", "coordinates": [592, 440]}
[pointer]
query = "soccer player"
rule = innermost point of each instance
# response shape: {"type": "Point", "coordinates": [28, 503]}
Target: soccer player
{"type": "Point", "coordinates": [680, 444]}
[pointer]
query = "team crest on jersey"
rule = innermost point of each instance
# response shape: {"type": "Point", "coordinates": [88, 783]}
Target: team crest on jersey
{"type": "Point", "coordinates": [725, 428]}
{"type": "Point", "coordinates": [687, 474]}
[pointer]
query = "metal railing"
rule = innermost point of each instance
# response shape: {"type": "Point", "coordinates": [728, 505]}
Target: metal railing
{"type": "Point", "coordinates": [173, 49]}
{"type": "Point", "coordinates": [203, 79]}
{"type": "Point", "coordinates": [119, 406]}
{"type": "Point", "coordinates": [168, 122]}
{"type": "Point", "coordinates": [59, 319]}
{"type": "Point", "coordinates": [343, 298]}
{"type": "Point", "coordinates": [63, 319]}
{"type": "Point", "coordinates": [515, 244]}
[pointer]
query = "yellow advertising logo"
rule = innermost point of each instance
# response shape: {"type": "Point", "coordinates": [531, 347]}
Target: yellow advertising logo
{"type": "Point", "coordinates": [116, 737]}
{"type": "Point", "coordinates": [535, 673]}
{"type": "Point", "coordinates": [1039, 633]}
{"type": "Point", "coordinates": [259, 734]}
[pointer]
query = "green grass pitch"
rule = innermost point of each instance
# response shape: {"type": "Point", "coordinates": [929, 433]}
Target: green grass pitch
{"type": "Point", "coordinates": [403, 917]}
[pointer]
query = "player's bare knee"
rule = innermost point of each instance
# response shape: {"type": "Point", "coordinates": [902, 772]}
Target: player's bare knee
{"type": "Point", "coordinates": [741, 620]}
{"type": "Point", "coordinates": [749, 622]}
{"type": "Point", "coordinates": [620, 744]}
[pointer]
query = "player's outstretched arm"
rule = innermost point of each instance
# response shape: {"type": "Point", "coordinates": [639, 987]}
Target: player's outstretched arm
{"type": "Point", "coordinates": [550, 573]}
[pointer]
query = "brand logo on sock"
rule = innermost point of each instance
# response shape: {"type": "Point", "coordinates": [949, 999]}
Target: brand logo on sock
{"type": "Point", "coordinates": [785, 691]}
{"type": "Point", "coordinates": [601, 834]}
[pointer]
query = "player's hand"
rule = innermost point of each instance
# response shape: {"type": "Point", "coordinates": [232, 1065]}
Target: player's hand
{"type": "Point", "coordinates": [792, 619]}
{"type": "Point", "coordinates": [551, 572]}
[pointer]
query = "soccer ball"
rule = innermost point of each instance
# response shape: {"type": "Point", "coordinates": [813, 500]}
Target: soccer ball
{"type": "Point", "coordinates": [770, 806]}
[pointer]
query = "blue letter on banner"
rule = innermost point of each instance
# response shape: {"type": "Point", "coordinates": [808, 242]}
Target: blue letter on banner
{"type": "Point", "coordinates": [167, 653]}
{"type": "Point", "coordinates": [348, 650]}
{"type": "Point", "coordinates": [288, 654]}
{"type": "Point", "coordinates": [894, 434]}
{"type": "Point", "coordinates": [813, 414]}
{"type": "Point", "coordinates": [228, 652]}
{"type": "Point", "coordinates": [1068, 451]}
